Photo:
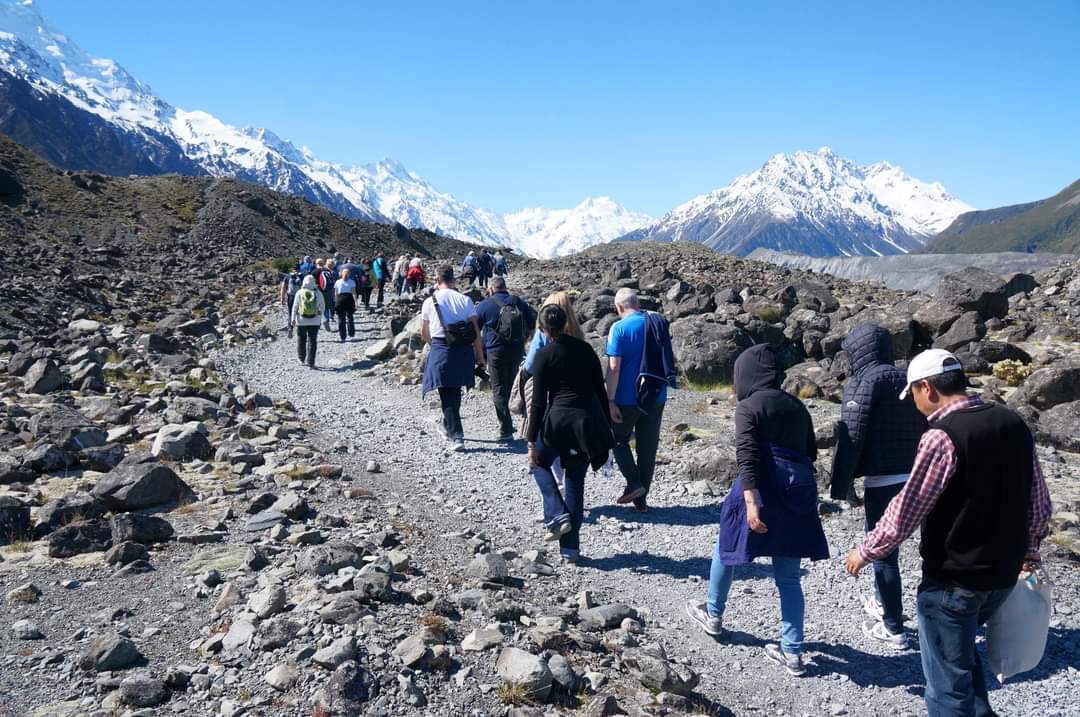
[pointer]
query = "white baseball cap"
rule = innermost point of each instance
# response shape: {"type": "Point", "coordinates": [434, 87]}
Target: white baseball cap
{"type": "Point", "coordinates": [932, 362]}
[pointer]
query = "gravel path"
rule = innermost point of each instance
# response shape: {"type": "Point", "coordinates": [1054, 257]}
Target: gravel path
{"type": "Point", "coordinates": [654, 562]}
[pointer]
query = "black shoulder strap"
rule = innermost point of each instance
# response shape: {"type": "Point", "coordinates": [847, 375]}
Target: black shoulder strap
{"type": "Point", "coordinates": [438, 311]}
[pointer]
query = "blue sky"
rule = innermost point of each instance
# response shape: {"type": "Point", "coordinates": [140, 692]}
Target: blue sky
{"type": "Point", "coordinates": [507, 105]}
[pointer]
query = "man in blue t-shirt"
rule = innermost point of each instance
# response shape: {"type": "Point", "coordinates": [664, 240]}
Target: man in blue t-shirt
{"type": "Point", "coordinates": [625, 346]}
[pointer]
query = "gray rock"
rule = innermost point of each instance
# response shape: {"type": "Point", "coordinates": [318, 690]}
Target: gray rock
{"type": "Point", "coordinates": [292, 505]}
{"type": "Point", "coordinates": [379, 350]}
{"type": "Point", "coordinates": [1058, 426]}
{"type": "Point", "coordinates": [327, 559]}
{"type": "Point", "coordinates": [488, 567]}
{"type": "Point", "coordinates": [347, 691]}
{"type": "Point", "coordinates": [14, 519]}
{"type": "Point", "coordinates": [967, 329]}
{"type": "Point", "coordinates": [277, 633]}
{"type": "Point", "coordinates": [192, 408]}
{"type": "Point", "coordinates": [659, 674]}
{"type": "Point", "coordinates": [139, 528]}
{"type": "Point", "coordinates": [63, 510]}
{"type": "Point", "coordinates": [482, 639]}
{"type": "Point", "coordinates": [26, 593]}
{"type": "Point", "coordinates": [48, 458]}
{"type": "Point", "coordinates": [267, 602]}
{"type": "Point", "coordinates": [184, 442]}
{"type": "Point", "coordinates": [977, 290]}
{"type": "Point", "coordinates": [239, 635]}
{"type": "Point", "coordinates": [26, 630]}
{"type": "Point", "coordinates": [282, 677]}
{"type": "Point", "coordinates": [336, 653]}
{"type": "Point", "coordinates": [110, 653]}
{"type": "Point", "coordinates": [141, 481]}
{"type": "Point", "coordinates": [605, 617]}
{"type": "Point", "coordinates": [43, 377]}
{"type": "Point", "coordinates": [343, 610]}
{"type": "Point", "coordinates": [141, 690]}
{"type": "Point", "coordinates": [1047, 387]}
{"type": "Point", "coordinates": [372, 587]}
{"type": "Point", "coordinates": [125, 553]}
{"type": "Point", "coordinates": [101, 458]}
{"type": "Point", "coordinates": [67, 427]}
{"type": "Point", "coordinates": [84, 536]}
{"type": "Point", "coordinates": [529, 672]}
{"type": "Point", "coordinates": [563, 673]}
{"type": "Point", "coordinates": [264, 521]}
{"type": "Point", "coordinates": [706, 351]}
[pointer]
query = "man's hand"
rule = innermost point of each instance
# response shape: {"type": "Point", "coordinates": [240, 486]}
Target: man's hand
{"type": "Point", "coordinates": [855, 562]}
{"type": "Point", "coordinates": [753, 519]}
{"type": "Point", "coordinates": [616, 414]}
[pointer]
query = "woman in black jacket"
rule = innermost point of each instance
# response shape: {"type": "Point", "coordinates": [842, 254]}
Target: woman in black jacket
{"type": "Point", "coordinates": [568, 421]}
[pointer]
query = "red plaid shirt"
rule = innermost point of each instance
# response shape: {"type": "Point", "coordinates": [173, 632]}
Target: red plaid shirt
{"type": "Point", "coordinates": [934, 465]}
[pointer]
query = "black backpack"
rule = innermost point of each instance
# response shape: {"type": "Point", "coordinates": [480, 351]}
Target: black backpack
{"type": "Point", "coordinates": [510, 328]}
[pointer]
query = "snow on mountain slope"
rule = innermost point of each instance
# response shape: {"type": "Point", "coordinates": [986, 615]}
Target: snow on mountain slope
{"type": "Point", "coordinates": [815, 203]}
{"type": "Point", "coordinates": [556, 232]}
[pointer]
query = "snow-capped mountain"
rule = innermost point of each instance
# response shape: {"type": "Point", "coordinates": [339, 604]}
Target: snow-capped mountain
{"type": "Point", "coordinates": [84, 112]}
{"type": "Point", "coordinates": [557, 232]}
{"type": "Point", "coordinates": [815, 203]}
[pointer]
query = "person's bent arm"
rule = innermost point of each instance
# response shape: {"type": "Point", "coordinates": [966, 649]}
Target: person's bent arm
{"type": "Point", "coordinates": [478, 341]}
{"type": "Point", "coordinates": [1038, 512]}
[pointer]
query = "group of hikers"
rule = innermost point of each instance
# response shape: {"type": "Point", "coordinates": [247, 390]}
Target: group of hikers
{"type": "Point", "coordinates": [480, 268]}
{"type": "Point", "coordinates": [930, 454]}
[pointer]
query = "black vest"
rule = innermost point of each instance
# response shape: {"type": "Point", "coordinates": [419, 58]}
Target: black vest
{"type": "Point", "coordinates": [976, 536]}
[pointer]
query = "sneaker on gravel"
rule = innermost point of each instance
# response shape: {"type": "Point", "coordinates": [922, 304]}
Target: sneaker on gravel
{"type": "Point", "coordinates": [878, 631]}
{"type": "Point", "coordinates": [457, 444]}
{"type": "Point", "coordinates": [699, 613]}
{"type": "Point", "coordinates": [792, 663]}
{"type": "Point", "coordinates": [572, 557]}
{"type": "Point", "coordinates": [505, 437]}
{"type": "Point", "coordinates": [873, 608]}
{"type": "Point", "coordinates": [558, 530]}
{"type": "Point", "coordinates": [630, 496]}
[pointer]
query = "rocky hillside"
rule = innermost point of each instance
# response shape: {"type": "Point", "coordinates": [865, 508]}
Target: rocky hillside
{"type": "Point", "coordinates": [1049, 225]}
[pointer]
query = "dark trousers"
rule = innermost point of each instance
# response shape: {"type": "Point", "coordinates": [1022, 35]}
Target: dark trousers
{"type": "Point", "coordinates": [645, 429]}
{"type": "Point", "coordinates": [346, 324]}
{"type": "Point", "coordinates": [328, 299]}
{"type": "Point", "coordinates": [949, 618]}
{"type": "Point", "coordinates": [450, 398]}
{"type": "Point", "coordinates": [307, 339]}
{"type": "Point", "coordinates": [568, 504]}
{"type": "Point", "coordinates": [381, 284]}
{"type": "Point", "coordinates": [365, 296]}
{"type": "Point", "coordinates": [502, 365]}
{"type": "Point", "coordinates": [886, 570]}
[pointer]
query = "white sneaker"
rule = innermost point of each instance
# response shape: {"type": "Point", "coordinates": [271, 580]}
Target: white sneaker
{"type": "Point", "coordinates": [873, 608]}
{"type": "Point", "coordinates": [878, 631]}
{"type": "Point", "coordinates": [457, 445]}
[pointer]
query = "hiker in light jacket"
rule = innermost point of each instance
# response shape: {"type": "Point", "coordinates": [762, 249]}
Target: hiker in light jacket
{"type": "Point", "coordinates": [877, 437]}
{"type": "Point", "coordinates": [771, 510]}
{"type": "Point", "coordinates": [307, 322]}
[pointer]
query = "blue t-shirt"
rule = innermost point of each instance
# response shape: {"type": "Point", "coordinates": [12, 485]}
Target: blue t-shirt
{"type": "Point", "coordinates": [627, 341]}
{"type": "Point", "coordinates": [539, 341]}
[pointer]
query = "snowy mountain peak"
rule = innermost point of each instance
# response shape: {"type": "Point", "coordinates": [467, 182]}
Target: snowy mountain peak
{"type": "Point", "coordinates": [817, 203]}
{"type": "Point", "coordinates": [556, 232]}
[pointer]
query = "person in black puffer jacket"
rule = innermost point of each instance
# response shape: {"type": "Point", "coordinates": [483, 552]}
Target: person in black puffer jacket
{"type": "Point", "coordinates": [877, 438]}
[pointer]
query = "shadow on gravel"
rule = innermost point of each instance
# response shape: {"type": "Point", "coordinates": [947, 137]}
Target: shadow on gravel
{"type": "Point", "coordinates": [689, 515]}
{"type": "Point", "coordinates": [652, 564]}
{"type": "Point", "coordinates": [865, 669]}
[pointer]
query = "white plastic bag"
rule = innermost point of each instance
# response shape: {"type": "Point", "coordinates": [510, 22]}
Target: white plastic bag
{"type": "Point", "coordinates": [1016, 634]}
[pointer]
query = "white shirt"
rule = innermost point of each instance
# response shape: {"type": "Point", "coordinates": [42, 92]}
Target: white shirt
{"type": "Point", "coordinates": [454, 306]}
{"type": "Point", "coordinates": [345, 286]}
{"type": "Point", "coordinates": [416, 262]}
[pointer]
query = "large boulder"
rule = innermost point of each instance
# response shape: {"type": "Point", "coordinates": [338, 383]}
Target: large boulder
{"type": "Point", "coordinates": [142, 481]}
{"type": "Point", "coordinates": [968, 328]}
{"type": "Point", "coordinates": [14, 519]}
{"type": "Point", "coordinates": [48, 458]}
{"type": "Point", "coordinates": [705, 352]}
{"type": "Point", "coordinates": [83, 536]}
{"type": "Point", "coordinates": [1047, 387]}
{"type": "Point", "coordinates": [67, 508]}
{"type": "Point", "coordinates": [67, 427]}
{"type": "Point", "coordinates": [138, 528]}
{"type": "Point", "coordinates": [526, 671]}
{"type": "Point", "coordinates": [659, 674]}
{"type": "Point", "coordinates": [975, 290]}
{"type": "Point", "coordinates": [110, 653]}
{"type": "Point", "coordinates": [193, 408]}
{"type": "Point", "coordinates": [43, 377]}
{"type": "Point", "coordinates": [1058, 426]}
{"type": "Point", "coordinates": [182, 442]}
{"type": "Point", "coordinates": [347, 691]}
{"type": "Point", "coordinates": [327, 559]}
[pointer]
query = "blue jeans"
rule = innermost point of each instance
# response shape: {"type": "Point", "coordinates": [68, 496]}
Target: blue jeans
{"type": "Point", "coordinates": [788, 582]}
{"type": "Point", "coordinates": [949, 617]}
{"type": "Point", "coordinates": [568, 504]}
{"type": "Point", "coordinates": [886, 570]}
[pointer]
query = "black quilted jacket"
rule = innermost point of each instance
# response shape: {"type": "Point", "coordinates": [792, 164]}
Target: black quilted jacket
{"type": "Point", "coordinates": [878, 433]}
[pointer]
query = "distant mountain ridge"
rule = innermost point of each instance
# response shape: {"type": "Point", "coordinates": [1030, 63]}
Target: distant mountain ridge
{"type": "Point", "coordinates": [1048, 225]}
{"type": "Point", "coordinates": [814, 203]}
{"type": "Point", "coordinates": [83, 112]}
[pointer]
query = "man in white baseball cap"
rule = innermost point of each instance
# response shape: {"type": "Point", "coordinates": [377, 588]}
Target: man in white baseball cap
{"type": "Point", "coordinates": [977, 491]}
{"type": "Point", "coordinates": [932, 362]}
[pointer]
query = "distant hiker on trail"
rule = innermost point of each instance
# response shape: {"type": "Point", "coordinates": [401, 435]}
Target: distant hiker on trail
{"type": "Point", "coordinates": [637, 392]}
{"type": "Point", "coordinates": [450, 325]}
{"type": "Point", "coordinates": [507, 322]}
{"type": "Point", "coordinates": [568, 420]}
{"type": "Point", "coordinates": [771, 510]}
{"type": "Point", "coordinates": [307, 266]}
{"type": "Point", "coordinates": [401, 270]}
{"type": "Point", "coordinates": [327, 277]}
{"type": "Point", "coordinates": [500, 264]}
{"type": "Point", "coordinates": [380, 267]}
{"type": "Point", "coordinates": [345, 305]}
{"type": "Point", "coordinates": [484, 267]}
{"type": "Point", "coordinates": [877, 437]}
{"type": "Point", "coordinates": [978, 492]}
{"type": "Point", "coordinates": [307, 316]}
{"type": "Point", "coordinates": [524, 383]}
{"type": "Point", "coordinates": [415, 277]}
{"type": "Point", "coordinates": [290, 284]}
{"type": "Point", "coordinates": [469, 269]}
{"type": "Point", "coordinates": [363, 279]}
